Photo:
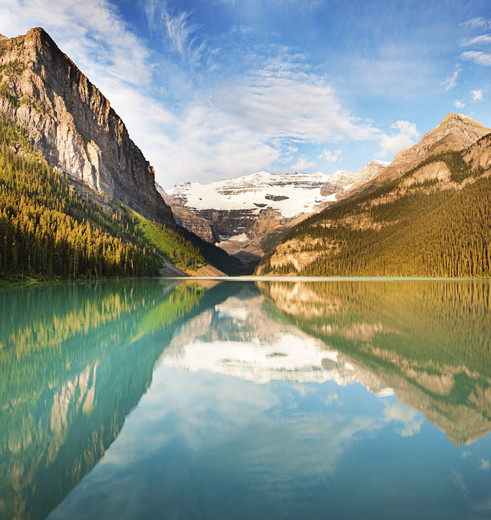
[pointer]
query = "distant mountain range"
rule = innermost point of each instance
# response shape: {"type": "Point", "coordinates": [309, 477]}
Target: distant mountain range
{"type": "Point", "coordinates": [247, 215]}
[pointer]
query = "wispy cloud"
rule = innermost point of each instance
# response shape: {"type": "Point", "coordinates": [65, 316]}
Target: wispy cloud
{"type": "Point", "coordinates": [251, 123]}
{"type": "Point", "coordinates": [482, 39]}
{"type": "Point", "coordinates": [476, 95]}
{"type": "Point", "coordinates": [459, 104]}
{"type": "Point", "coordinates": [284, 103]}
{"type": "Point", "coordinates": [451, 81]}
{"type": "Point", "coordinates": [479, 22]}
{"type": "Point", "coordinates": [302, 164]}
{"type": "Point", "coordinates": [178, 28]}
{"type": "Point", "coordinates": [404, 138]}
{"type": "Point", "coordinates": [481, 58]}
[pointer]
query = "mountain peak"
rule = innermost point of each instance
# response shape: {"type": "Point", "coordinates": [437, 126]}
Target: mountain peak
{"type": "Point", "coordinates": [455, 132]}
{"type": "Point", "coordinates": [458, 125]}
{"type": "Point", "coordinates": [38, 34]}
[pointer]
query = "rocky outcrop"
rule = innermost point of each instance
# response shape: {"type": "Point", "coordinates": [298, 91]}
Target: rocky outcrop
{"type": "Point", "coordinates": [455, 132]}
{"type": "Point", "coordinates": [185, 218]}
{"type": "Point", "coordinates": [73, 125]}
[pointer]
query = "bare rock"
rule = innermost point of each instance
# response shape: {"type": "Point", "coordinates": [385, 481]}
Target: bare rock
{"type": "Point", "coordinates": [73, 125]}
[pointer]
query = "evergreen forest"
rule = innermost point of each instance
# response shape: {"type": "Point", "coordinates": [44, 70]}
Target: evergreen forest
{"type": "Point", "coordinates": [47, 230]}
{"type": "Point", "coordinates": [422, 231]}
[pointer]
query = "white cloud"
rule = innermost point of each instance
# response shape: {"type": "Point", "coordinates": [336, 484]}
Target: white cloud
{"type": "Point", "coordinates": [181, 33]}
{"type": "Point", "coordinates": [481, 58]}
{"type": "Point", "coordinates": [476, 95]}
{"type": "Point", "coordinates": [391, 144]}
{"type": "Point", "coordinates": [280, 102]}
{"type": "Point", "coordinates": [482, 39]}
{"type": "Point", "coordinates": [410, 419]}
{"type": "Point", "coordinates": [451, 81]}
{"type": "Point", "coordinates": [477, 22]}
{"type": "Point", "coordinates": [330, 156]}
{"type": "Point", "coordinates": [250, 123]}
{"type": "Point", "coordinates": [203, 144]}
{"type": "Point", "coordinates": [302, 164]}
{"type": "Point", "coordinates": [459, 104]}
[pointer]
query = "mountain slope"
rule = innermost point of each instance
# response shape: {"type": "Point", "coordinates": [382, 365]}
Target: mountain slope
{"type": "Point", "coordinates": [75, 129]}
{"type": "Point", "coordinates": [431, 221]}
{"type": "Point", "coordinates": [46, 229]}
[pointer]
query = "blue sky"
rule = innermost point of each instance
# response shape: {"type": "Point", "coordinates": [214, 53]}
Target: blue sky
{"type": "Point", "coordinates": [219, 88]}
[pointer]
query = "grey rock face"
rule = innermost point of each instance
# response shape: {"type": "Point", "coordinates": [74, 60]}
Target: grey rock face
{"type": "Point", "coordinates": [73, 125]}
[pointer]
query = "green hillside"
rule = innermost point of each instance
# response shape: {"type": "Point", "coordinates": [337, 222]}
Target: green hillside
{"type": "Point", "coordinates": [395, 231]}
{"type": "Point", "coordinates": [47, 230]}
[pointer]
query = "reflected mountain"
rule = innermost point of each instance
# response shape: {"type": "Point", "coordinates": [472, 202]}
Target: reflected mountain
{"type": "Point", "coordinates": [244, 337]}
{"type": "Point", "coordinates": [427, 340]}
{"type": "Point", "coordinates": [75, 360]}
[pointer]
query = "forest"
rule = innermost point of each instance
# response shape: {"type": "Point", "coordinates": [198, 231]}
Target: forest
{"type": "Point", "coordinates": [48, 230]}
{"type": "Point", "coordinates": [423, 231]}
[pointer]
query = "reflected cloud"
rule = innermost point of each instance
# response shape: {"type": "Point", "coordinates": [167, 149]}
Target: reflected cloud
{"type": "Point", "coordinates": [411, 420]}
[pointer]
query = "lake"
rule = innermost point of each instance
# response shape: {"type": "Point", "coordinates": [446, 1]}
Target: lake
{"type": "Point", "coordinates": [201, 399]}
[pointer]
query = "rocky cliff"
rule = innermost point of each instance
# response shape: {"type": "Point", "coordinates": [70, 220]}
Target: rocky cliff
{"type": "Point", "coordinates": [73, 125]}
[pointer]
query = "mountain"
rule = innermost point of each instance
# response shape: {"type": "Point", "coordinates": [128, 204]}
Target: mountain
{"type": "Point", "coordinates": [73, 125]}
{"type": "Point", "coordinates": [46, 102]}
{"type": "Point", "coordinates": [456, 132]}
{"type": "Point", "coordinates": [246, 215]}
{"type": "Point", "coordinates": [426, 214]}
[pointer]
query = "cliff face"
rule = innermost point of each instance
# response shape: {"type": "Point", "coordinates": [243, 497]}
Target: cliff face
{"type": "Point", "coordinates": [73, 125]}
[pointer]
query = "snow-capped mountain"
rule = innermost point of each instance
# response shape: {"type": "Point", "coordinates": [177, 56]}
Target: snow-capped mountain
{"type": "Point", "coordinates": [243, 212]}
{"type": "Point", "coordinates": [290, 194]}
{"type": "Point", "coordinates": [236, 338]}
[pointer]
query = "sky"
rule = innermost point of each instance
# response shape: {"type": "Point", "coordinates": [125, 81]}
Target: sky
{"type": "Point", "coordinates": [213, 89]}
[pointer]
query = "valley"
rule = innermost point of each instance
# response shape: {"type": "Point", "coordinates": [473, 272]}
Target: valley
{"type": "Point", "coordinates": [426, 213]}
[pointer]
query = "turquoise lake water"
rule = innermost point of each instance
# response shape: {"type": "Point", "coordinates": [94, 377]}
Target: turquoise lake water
{"type": "Point", "coordinates": [200, 399]}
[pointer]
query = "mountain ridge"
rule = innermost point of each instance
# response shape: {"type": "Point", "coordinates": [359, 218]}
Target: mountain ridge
{"type": "Point", "coordinates": [429, 218]}
{"type": "Point", "coordinates": [247, 215]}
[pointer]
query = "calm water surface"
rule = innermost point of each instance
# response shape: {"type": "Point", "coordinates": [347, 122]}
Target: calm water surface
{"type": "Point", "coordinates": [225, 400]}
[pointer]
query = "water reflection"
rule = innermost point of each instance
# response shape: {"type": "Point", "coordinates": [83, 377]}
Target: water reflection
{"type": "Point", "coordinates": [242, 400]}
{"type": "Point", "coordinates": [74, 361]}
{"type": "Point", "coordinates": [428, 340]}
